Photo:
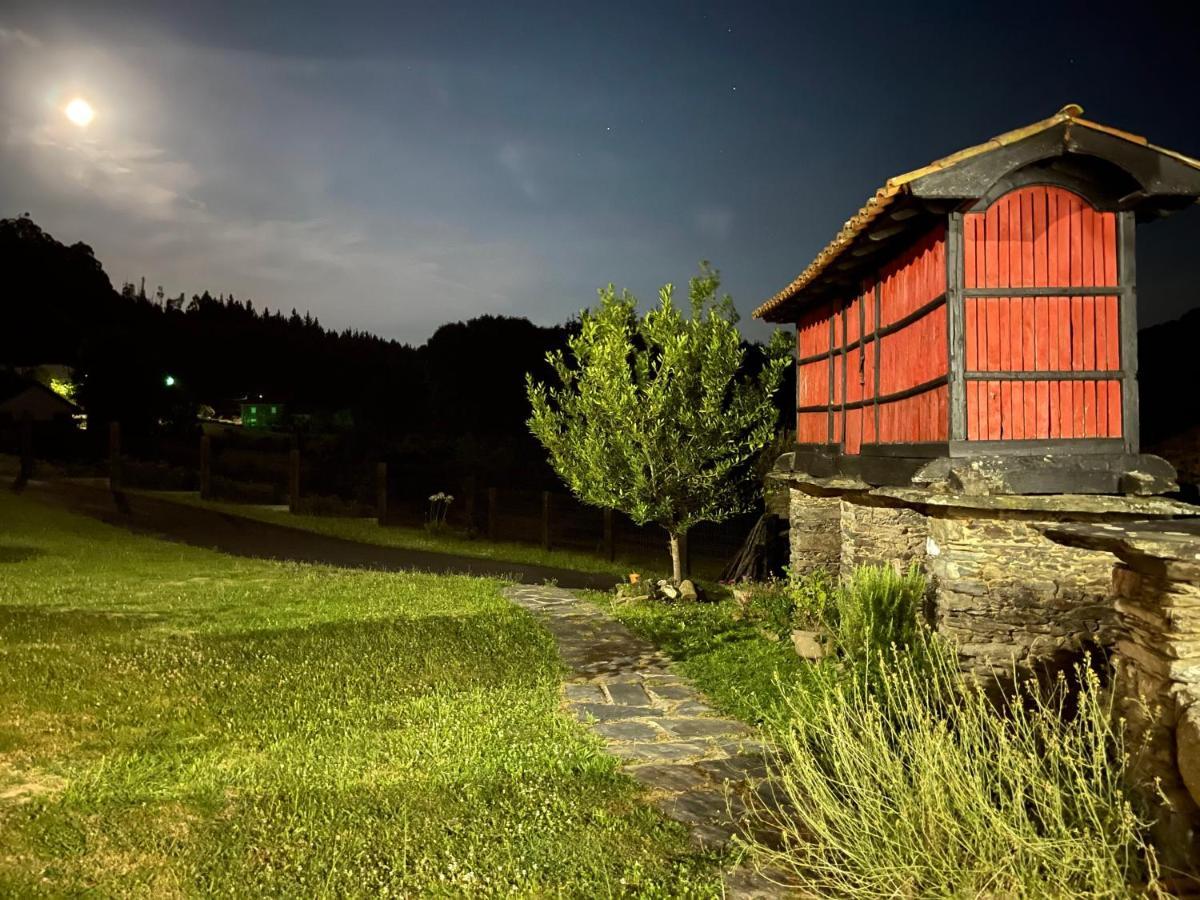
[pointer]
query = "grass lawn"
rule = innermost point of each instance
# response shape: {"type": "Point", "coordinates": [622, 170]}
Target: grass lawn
{"type": "Point", "coordinates": [178, 722]}
{"type": "Point", "coordinates": [368, 531]}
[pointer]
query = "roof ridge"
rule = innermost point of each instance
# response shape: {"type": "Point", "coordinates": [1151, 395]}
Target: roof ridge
{"type": "Point", "coordinates": [1070, 114]}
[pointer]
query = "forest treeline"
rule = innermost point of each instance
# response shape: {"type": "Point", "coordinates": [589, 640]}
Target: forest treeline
{"type": "Point", "coordinates": [60, 307]}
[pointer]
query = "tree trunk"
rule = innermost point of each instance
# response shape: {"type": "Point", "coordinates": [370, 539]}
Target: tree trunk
{"type": "Point", "coordinates": [673, 541]}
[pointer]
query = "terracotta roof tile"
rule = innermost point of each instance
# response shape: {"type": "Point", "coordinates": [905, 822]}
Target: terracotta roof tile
{"type": "Point", "coordinates": [882, 198]}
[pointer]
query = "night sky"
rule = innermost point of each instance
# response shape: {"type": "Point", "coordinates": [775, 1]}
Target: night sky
{"type": "Point", "coordinates": [392, 166]}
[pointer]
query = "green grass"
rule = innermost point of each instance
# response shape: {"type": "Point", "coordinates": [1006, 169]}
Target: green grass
{"type": "Point", "coordinates": [368, 531]}
{"type": "Point", "coordinates": [178, 722]}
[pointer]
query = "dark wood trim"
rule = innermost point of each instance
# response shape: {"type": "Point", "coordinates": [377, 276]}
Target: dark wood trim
{"type": "Point", "coordinates": [1058, 446]}
{"type": "Point", "coordinates": [1090, 291]}
{"type": "Point", "coordinates": [888, 398]}
{"type": "Point", "coordinates": [1127, 310]}
{"type": "Point", "coordinates": [955, 328]}
{"type": "Point", "coordinates": [883, 332]}
{"type": "Point", "coordinates": [1069, 375]}
{"type": "Point", "coordinates": [924, 450]}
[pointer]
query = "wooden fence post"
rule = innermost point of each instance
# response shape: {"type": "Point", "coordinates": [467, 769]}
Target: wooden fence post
{"type": "Point", "coordinates": [114, 456]}
{"type": "Point", "coordinates": [293, 479]}
{"type": "Point", "coordinates": [26, 471]}
{"type": "Point", "coordinates": [491, 520]}
{"type": "Point", "coordinates": [381, 493]}
{"type": "Point", "coordinates": [610, 542]}
{"type": "Point", "coordinates": [546, 501]}
{"type": "Point", "coordinates": [205, 467]}
{"type": "Point", "coordinates": [469, 502]}
{"type": "Point", "coordinates": [685, 556]}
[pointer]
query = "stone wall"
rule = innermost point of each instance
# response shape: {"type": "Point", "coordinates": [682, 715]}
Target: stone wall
{"type": "Point", "coordinates": [1156, 663]}
{"type": "Point", "coordinates": [878, 532]}
{"type": "Point", "coordinates": [815, 531]}
{"type": "Point", "coordinates": [1006, 592]}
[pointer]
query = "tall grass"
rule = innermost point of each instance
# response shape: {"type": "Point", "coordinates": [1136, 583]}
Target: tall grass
{"type": "Point", "coordinates": [899, 777]}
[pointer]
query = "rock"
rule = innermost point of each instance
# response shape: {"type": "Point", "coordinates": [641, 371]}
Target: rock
{"type": "Point", "coordinates": [687, 591]}
{"type": "Point", "coordinates": [808, 645]}
{"type": "Point", "coordinates": [1187, 749]}
{"type": "Point", "coordinates": [669, 591]}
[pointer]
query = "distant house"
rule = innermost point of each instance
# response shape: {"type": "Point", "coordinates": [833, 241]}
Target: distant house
{"type": "Point", "coordinates": [260, 414]}
{"type": "Point", "coordinates": [34, 401]}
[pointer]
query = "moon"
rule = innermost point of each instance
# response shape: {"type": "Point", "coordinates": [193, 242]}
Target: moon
{"type": "Point", "coordinates": [80, 112]}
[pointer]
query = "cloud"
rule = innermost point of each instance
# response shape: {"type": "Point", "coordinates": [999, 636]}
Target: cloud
{"type": "Point", "coordinates": [518, 160]}
{"type": "Point", "coordinates": [714, 222]}
{"type": "Point", "coordinates": [15, 36]}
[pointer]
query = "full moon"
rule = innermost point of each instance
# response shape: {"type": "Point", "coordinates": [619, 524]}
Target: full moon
{"type": "Point", "coordinates": [80, 112]}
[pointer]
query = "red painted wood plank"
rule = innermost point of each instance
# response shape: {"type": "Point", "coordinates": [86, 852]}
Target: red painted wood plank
{"type": "Point", "coordinates": [1076, 333]}
{"type": "Point", "coordinates": [993, 410]}
{"type": "Point", "coordinates": [991, 247]}
{"type": "Point", "coordinates": [1003, 250]}
{"type": "Point", "coordinates": [1076, 241]}
{"type": "Point", "coordinates": [1040, 244]}
{"type": "Point", "coordinates": [1114, 332]}
{"type": "Point", "coordinates": [1027, 264]}
{"type": "Point", "coordinates": [1116, 427]}
{"type": "Point", "coordinates": [1062, 261]}
{"type": "Point", "coordinates": [1041, 340]}
{"type": "Point", "coordinates": [1108, 223]}
{"type": "Point", "coordinates": [1042, 401]}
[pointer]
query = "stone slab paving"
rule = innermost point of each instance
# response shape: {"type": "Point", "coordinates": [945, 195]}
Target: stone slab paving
{"type": "Point", "coordinates": [697, 765]}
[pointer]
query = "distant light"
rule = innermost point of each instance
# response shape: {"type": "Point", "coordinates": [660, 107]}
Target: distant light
{"type": "Point", "coordinates": [169, 381]}
{"type": "Point", "coordinates": [80, 112]}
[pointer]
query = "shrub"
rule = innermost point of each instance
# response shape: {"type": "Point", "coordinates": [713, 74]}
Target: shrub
{"type": "Point", "coordinates": [913, 784]}
{"type": "Point", "coordinates": [770, 605]}
{"type": "Point", "coordinates": [876, 612]}
{"type": "Point", "coordinates": [814, 598]}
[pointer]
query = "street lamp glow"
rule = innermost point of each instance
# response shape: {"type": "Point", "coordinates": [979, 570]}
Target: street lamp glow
{"type": "Point", "coordinates": [80, 112]}
{"type": "Point", "coordinates": [169, 381]}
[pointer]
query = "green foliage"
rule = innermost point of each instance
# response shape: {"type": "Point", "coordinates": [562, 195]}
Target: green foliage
{"type": "Point", "coordinates": [877, 612]}
{"type": "Point", "coordinates": [914, 784]}
{"type": "Point", "coordinates": [814, 598]}
{"type": "Point", "coordinates": [176, 722]}
{"type": "Point", "coordinates": [656, 415]}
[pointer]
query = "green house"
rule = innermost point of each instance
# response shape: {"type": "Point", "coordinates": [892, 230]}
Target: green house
{"type": "Point", "coordinates": [262, 414]}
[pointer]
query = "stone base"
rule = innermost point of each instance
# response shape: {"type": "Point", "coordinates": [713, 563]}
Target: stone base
{"type": "Point", "coordinates": [1006, 593]}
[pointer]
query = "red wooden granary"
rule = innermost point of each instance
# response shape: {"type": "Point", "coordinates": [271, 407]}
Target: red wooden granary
{"type": "Point", "coordinates": [985, 306]}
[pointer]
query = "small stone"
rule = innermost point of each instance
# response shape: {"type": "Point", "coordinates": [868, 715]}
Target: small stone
{"type": "Point", "coordinates": [701, 728]}
{"type": "Point", "coordinates": [628, 694]}
{"type": "Point", "coordinates": [695, 806]}
{"type": "Point", "coordinates": [668, 776]}
{"type": "Point", "coordinates": [628, 730]}
{"type": "Point", "coordinates": [609, 712]}
{"type": "Point", "coordinates": [808, 645]}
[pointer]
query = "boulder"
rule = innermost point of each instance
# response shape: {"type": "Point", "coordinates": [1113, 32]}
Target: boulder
{"type": "Point", "coordinates": [1187, 749]}
{"type": "Point", "coordinates": [688, 591]}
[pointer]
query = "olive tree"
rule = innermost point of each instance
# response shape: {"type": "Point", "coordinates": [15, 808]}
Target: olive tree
{"type": "Point", "coordinates": [659, 415]}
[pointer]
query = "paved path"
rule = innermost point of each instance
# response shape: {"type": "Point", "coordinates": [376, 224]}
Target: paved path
{"type": "Point", "coordinates": [242, 536]}
{"type": "Point", "coordinates": [698, 766]}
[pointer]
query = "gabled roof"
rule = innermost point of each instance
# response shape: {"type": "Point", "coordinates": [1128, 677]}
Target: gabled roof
{"type": "Point", "coordinates": [1065, 121]}
{"type": "Point", "coordinates": [14, 399]}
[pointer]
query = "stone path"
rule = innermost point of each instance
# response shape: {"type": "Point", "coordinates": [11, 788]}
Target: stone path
{"type": "Point", "coordinates": [697, 765]}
